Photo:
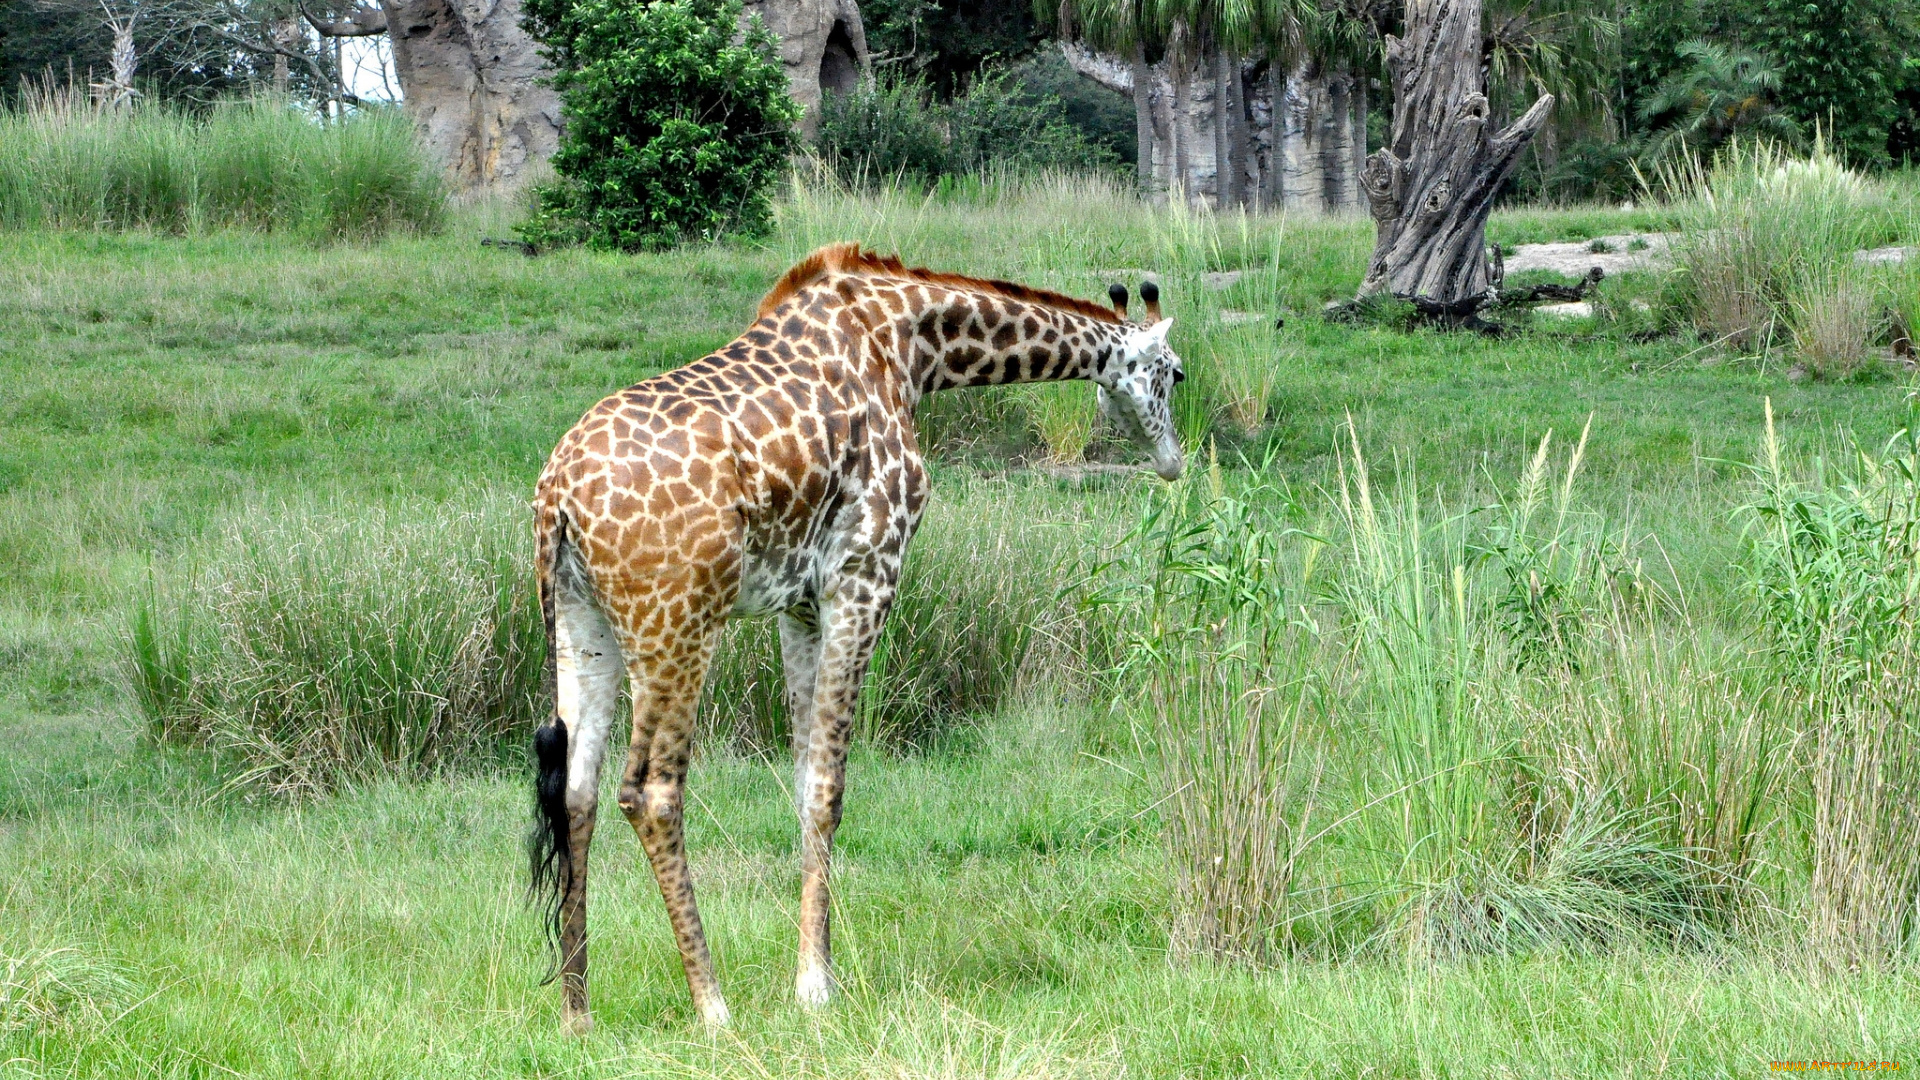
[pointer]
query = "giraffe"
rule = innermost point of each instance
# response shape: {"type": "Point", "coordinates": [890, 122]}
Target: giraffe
{"type": "Point", "coordinates": [779, 475]}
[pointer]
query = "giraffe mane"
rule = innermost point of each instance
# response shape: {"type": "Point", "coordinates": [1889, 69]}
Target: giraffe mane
{"type": "Point", "coordinates": [848, 258]}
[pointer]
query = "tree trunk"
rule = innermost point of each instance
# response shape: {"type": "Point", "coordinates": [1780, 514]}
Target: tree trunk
{"type": "Point", "coordinates": [1432, 186]}
{"type": "Point", "coordinates": [468, 78]}
{"type": "Point", "coordinates": [1305, 166]}
{"type": "Point", "coordinates": [1359, 135]}
{"type": "Point", "coordinates": [1180, 71]}
{"type": "Point", "coordinates": [1336, 146]}
{"type": "Point", "coordinates": [1223, 185]}
{"type": "Point", "coordinates": [1245, 163]}
{"type": "Point", "coordinates": [1143, 120]}
{"type": "Point", "coordinates": [1269, 133]}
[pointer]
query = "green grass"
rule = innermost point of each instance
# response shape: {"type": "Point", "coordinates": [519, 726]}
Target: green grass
{"type": "Point", "coordinates": [262, 163]}
{"type": "Point", "coordinates": [1006, 900]}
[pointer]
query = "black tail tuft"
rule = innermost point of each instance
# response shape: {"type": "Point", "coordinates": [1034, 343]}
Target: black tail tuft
{"type": "Point", "coordinates": [549, 844]}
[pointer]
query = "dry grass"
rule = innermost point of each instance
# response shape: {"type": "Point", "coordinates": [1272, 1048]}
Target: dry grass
{"type": "Point", "coordinates": [1836, 317]}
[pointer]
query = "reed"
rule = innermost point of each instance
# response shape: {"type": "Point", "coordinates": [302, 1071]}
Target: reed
{"type": "Point", "coordinates": [259, 163]}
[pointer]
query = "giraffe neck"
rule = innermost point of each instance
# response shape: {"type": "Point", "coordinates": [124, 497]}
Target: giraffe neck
{"type": "Point", "coordinates": [957, 337]}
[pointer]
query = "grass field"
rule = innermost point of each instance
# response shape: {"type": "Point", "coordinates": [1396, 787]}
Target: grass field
{"type": "Point", "coordinates": [1007, 896]}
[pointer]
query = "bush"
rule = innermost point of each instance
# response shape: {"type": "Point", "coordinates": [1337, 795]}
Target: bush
{"type": "Point", "coordinates": [676, 126]}
{"type": "Point", "coordinates": [893, 128]}
{"type": "Point", "coordinates": [258, 164]}
{"type": "Point", "coordinates": [1768, 250]}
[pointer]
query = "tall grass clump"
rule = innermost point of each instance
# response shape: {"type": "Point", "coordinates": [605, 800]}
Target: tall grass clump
{"type": "Point", "coordinates": [1768, 250]}
{"type": "Point", "coordinates": [1227, 649]}
{"type": "Point", "coordinates": [312, 646]}
{"type": "Point", "coordinates": [1836, 564]}
{"type": "Point", "coordinates": [1356, 760]}
{"type": "Point", "coordinates": [259, 164]}
{"type": "Point", "coordinates": [55, 986]}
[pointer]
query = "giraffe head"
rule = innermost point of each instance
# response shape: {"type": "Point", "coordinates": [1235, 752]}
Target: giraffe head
{"type": "Point", "coordinates": [1135, 391]}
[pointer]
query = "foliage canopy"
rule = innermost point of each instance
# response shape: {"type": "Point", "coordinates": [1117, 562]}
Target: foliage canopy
{"type": "Point", "coordinates": [676, 126]}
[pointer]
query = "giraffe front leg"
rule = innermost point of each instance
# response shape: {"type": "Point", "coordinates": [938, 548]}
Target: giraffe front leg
{"type": "Point", "coordinates": [850, 628]}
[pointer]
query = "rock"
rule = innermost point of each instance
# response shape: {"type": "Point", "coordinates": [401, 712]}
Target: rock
{"type": "Point", "coordinates": [1575, 258]}
{"type": "Point", "coordinates": [823, 45]}
{"type": "Point", "coordinates": [1577, 310]}
{"type": "Point", "coordinates": [1798, 373]}
{"type": "Point", "coordinates": [1236, 318]}
{"type": "Point", "coordinates": [1886, 256]}
{"type": "Point", "coordinates": [1223, 279]}
{"type": "Point", "coordinates": [473, 82]}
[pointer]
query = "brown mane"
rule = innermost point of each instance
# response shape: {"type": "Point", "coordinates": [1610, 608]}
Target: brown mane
{"type": "Point", "coordinates": [847, 258]}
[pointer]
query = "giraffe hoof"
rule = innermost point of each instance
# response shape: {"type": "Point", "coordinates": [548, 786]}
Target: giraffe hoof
{"type": "Point", "coordinates": [814, 988]}
{"type": "Point", "coordinates": [576, 1023]}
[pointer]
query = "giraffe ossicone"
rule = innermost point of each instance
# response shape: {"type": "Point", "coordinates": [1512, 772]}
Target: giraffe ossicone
{"type": "Point", "coordinates": [780, 475]}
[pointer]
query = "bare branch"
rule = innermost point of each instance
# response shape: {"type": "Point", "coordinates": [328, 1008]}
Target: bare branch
{"type": "Point", "coordinates": [365, 20]}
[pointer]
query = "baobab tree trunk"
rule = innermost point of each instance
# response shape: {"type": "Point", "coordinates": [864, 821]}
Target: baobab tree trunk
{"type": "Point", "coordinates": [1224, 189]}
{"type": "Point", "coordinates": [1303, 172]}
{"type": "Point", "coordinates": [1359, 134]}
{"type": "Point", "coordinates": [1432, 186]}
{"type": "Point", "coordinates": [472, 80]}
{"type": "Point", "coordinates": [1342, 182]}
{"type": "Point", "coordinates": [1180, 70]}
{"type": "Point", "coordinates": [1246, 165]}
{"type": "Point", "coordinates": [1143, 120]}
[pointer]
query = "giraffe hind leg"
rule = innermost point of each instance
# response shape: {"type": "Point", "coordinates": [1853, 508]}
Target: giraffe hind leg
{"type": "Point", "coordinates": [570, 750]}
{"type": "Point", "coordinates": [666, 699]}
{"type": "Point", "coordinates": [800, 661]}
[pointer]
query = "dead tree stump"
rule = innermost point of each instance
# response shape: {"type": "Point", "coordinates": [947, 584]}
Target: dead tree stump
{"type": "Point", "coordinates": [1432, 187]}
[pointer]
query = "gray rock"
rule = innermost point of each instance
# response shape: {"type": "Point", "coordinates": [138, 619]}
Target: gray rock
{"type": "Point", "coordinates": [1575, 257]}
{"type": "Point", "coordinates": [1886, 256]}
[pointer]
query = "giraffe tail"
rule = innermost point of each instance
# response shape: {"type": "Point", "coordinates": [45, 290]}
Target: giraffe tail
{"type": "Point", "coordinates": [549, 842]}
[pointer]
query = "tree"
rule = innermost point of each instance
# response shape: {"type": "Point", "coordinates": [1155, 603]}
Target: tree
{"type": "Point", "coordinates": [1842, 60]}
{"type": "Point", "coordinates": [1720, 94]}
{"type": "Point", "coordinates": [677, 124]}
{"type": "Point", "coordinates": [1124, 28]}
{"type": "Point", "coordinates": [948, 42]}
{"type": "Point", "coordinates": [1432, 187]}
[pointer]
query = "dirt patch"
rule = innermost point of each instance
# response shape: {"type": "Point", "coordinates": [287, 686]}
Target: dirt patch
{"type": "Point", "coordinates": [1620, 254]}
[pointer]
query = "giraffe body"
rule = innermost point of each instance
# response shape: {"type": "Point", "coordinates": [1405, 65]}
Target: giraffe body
{"type": "Point", "coordinates": [780, 475]}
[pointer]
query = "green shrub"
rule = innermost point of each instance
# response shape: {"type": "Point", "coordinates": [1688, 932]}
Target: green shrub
{"type": "Point", "coordinates": [892, 128]}
{"type": "Point", "coordinates": [884, 129]}
{"type": "Point", "coordinates": [676, 126]}
{"type": "Point", "coordinates": [259, 164]}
